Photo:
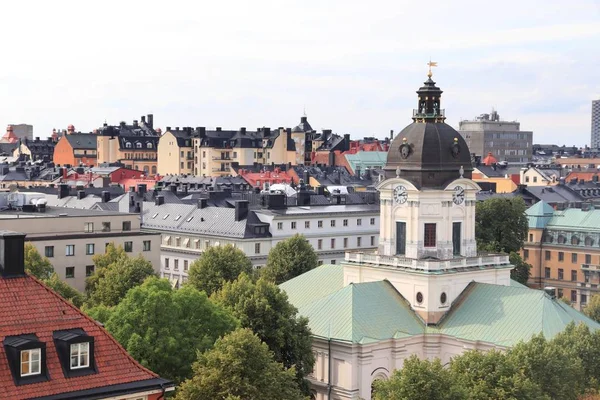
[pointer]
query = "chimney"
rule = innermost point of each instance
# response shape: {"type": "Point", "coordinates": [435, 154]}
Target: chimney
{"type": "Point", "coordinates": [151, 121]}
{"type": "Point", "coordinates": [63, 190]}
{"type": "Point", "coordinates": [142, 188]}
{"type": "Point", "coordinates": [143, 118]}
{"type": "Point", "coordinates": [241, 210]}
{"type": "Point", "coordinates": [173, 188]}
{"type": "Point", "coordinates": [202, 203]}
{"type": "Point", "coordinates": [105, 196]}
{"type": "Point", "coordinates": [391, 134]}
{"type": "Point", "coordinates": [159, 200]}
{"type": "Point", "coordinates": [12, 254]}
{"type": "Point", "coordinates": [81, 194]}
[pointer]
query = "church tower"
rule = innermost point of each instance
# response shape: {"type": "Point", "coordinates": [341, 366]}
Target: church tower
{"type": "Point", "coordinates": [427, 246]}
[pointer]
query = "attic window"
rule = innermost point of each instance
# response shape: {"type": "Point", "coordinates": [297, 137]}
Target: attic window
{"type": "Point", "coordinates": [154, 216]}
{"type": "Point", "coordinates": [26, 358]}
{"type": "Point", "coordinates": [138, 145]}
{"type": "Point", "coordinates": [128, 145]}
{"type": "Point", "coordinates": [75, 351]}
{"type": "Point", "coordinates": [189, 219]}
{"type": "Point", "coordinates": [166, 216]}
{"type": "Point", "coordinates": [149, 145]}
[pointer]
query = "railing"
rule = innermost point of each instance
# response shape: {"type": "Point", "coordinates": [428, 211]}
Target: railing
{"type": "Point", "coordinates": [221, 159]}
{"type": "Point", "coordinates": [427, 265]}
{"type": "Point", "coordinates": [420, 114]}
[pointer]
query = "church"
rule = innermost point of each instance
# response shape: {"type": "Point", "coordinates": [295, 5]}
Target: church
{"type": "Point", "coordinates": [426, 291]}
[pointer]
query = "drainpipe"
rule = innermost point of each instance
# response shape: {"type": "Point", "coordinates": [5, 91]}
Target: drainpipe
{"type": "Point", "coordinates": [162, 395]}
{"type": "Point", "coordinates": [329, 371]}
{"type": "Point", "coordinates": [541, 255]}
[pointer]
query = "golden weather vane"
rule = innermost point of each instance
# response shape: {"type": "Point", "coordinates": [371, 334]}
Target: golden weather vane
{"type": "Point", "coordinates": [431, 64]}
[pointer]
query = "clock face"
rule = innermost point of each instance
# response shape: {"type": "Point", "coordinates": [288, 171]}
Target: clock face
{"type": "Point", "coordinates": [459, 195]}
{"type": "Point", "coordinates": [400, 195]}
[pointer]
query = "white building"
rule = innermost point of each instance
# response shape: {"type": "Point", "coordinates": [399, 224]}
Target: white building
{"type": "Point", "coordinates": [425, 291]}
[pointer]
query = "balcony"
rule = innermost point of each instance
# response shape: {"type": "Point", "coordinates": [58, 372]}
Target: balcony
{"type": "Point", "coordinates": [221, 159]}
{"type": "Point", "coordinates": [419, 114]}
{"type": "Point", "coordinates": [481, 261]}
{"type": "Point", "coordinates": [221, 170]}
{"type": "Point", "coordinates": [590, 267]}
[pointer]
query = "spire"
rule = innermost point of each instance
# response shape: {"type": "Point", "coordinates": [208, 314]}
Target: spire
{"type": "Point", "coordinates": [431, 64]}
{"type": "Point", "coordinates": [429, 109]}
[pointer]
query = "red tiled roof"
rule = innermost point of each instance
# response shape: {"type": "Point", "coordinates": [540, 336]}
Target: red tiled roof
{"type": "Point", "coordinates": [489, 160]}
{"type": "Point", "coordinates": [29, 307]}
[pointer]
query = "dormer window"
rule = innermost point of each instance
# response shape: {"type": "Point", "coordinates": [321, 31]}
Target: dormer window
{"type": "Point", "coordinates": [75, 351]}
{"type": "Point", "coordinates": [128, 145]}
{"type": "Point", "coordinates": [26, 358]}
{"type": "Point", "coordinates": [138, 145]}
{"type": "Point", "coordinates": [149, 145]}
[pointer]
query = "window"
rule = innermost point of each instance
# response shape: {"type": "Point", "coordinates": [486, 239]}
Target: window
{"type": "Point", "coordinates": [70, 250]}
{"type": "Point", "coordinates": [525, 254]}
{"type": "Point", "coordinates": [294, 225]}
{"type": "Point", "coordinates": [429, 239]}
{"type": "Point", "coordinates": [49, 251]}
{"type": "Point", "coordinates": [345, 242]}
{"type": "Point", "coordinates": [535, 179]}
{"type": "Point", "coordinates": [547, 273]}
{"type": "Point", "coordinates": [320, 224]}
{"type": "Point", "coordinates": [547, 255]}
{"type": "Point", "coordinates": [359, 222]}
{"type": "Point", "coordinates": [176, 265]}
{"type": "Point", "coordinates": [185, 265]}
{"type": "Point", "coordinates": [279, 225]}
{"type": "Point", "coordinates": [573, 296]}
{"type": "Point", "coordinates": [80, 355]}
{"type": "Point", "coordinates": [89, 249]}
{"type": "Point", "coordinates": [106, 227]}
{"type": "Point", "coordinates": [306, 224]}
{"type": "Point", "coordinates": [573, 257]}
{"type": "Point", "coordinates": [372, 221]}
{"type": "Point", "coordinates": [89, 270]}
{"type": "Point", "coordinates": [166, 263]}
{"type": "Point", "coordinates": [588, 258]}
{"type": "Point", "coordinates": [574, 275]}
{"type": "Point", "coordinates": [333, 261]}
{"type": "Point", "coordinates": [128, 247]}
{"type": "Point", "coordinates": [256, 248]}
{"type": "Point", "coordinates": [561, 274]}
{"type": "Point", "coordinates": [320, 244]}
{"type": "Point", "coordinates": [358, 241]}
{"type": "Point", "coordinates": [320, 262]}
{"type": "Point", "coordinates": [147, 245]}
{"type": "Point", "coordinates": [372, 240]}
{"type": "Point", "coordinates": [126, 225]}
{"type": "Point", "coordinates": [559, 293]}
{"type": "Point", "coordinates": [88, 227]}
{"type": "Point", "coordinates": [333, 222]}
{"type": "Point", "coordinates": [31, 362]}
{"type": "Point", "coordinates": [333, 243]}
{"type": "Point", "coordinates": [70, 272]}
{"type": "Point", "coordinates": [561, 256]}
{"type": "Point", "coordinates": [583, 299]}
{"type": "Point", "coordinates": [574, 240]}
{"type": "Point", "coordinates": [531, 237]}
{"type": "Point", "coordinates": [344, 222]}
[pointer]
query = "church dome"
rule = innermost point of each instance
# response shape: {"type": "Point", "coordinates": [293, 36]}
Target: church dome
{"type": "Point", "coordinates": [429, 153]}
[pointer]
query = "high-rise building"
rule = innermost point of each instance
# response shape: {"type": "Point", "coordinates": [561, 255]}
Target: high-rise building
{"type": "Point", "coordinates": [595, 142]}
{"type": "Point", "coordinates": [504, 139]}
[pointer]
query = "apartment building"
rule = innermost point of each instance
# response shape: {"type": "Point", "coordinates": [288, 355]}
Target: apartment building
{"type": "Point", "coordinates": [562, 247]}
{"type": "Point", "coordinates": [70, 237]}
{"type": "Point", "coordinates": [332, 226]}
{"type": "Point", "coordinates": [176, 152]}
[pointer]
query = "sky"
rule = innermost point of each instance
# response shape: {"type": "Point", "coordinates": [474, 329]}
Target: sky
{"type": "Point", "coordinates": [354, 66]}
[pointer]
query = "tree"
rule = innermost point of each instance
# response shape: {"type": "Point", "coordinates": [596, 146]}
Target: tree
{"type": "Point", "coordinates": [111, 283]}
{"type": "Point", "coordinates": [218, 265]}
{"type": "Point", "coordinates": [521, 272]}
{"type": "Point", "coordinates": [501, 224]}
{"type": "Point", "coordinates": [290, 258]}
{"type": "Point", "coordinates": [239, 366]}
{"type": "Point", "coordinates": [584, 345]}
{"type": "Point", "coordinates": [265, 309]}
{"type": "Point", "coordinates": [492, 375]}
{"type": "Point", "coordinates": [64, 290]}
{"type": "Point", "coordinates": [112, 255]}
{"type": "Point", "coordinates": [163, 328]}
{"type": "Point", "coordinates": [418, 380]}
{"type": "Point", "coordinates": [592, 310]}
{"type": "Point", "coordinates": [35, 264]}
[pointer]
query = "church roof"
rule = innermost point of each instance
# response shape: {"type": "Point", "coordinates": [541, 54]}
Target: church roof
{"type": "Point", "coordinates": [374, 311]}
{"type": "Point", "coordinates": [539, 214]}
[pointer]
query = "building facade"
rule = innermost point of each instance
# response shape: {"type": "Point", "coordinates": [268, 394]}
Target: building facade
{"type": "Point", "coordinates": [76, 149]}
{"type": "Point", "coordinates": [504, 139]}
{"type": "Point", "coordinates": [595, 140]}
{"type": "Point", "coordinates": [176, 152]}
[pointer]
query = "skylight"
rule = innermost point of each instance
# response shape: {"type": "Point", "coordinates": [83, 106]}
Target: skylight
{"type": "Point", "coordinates": [166, 216]}
{"type": "Point", "coordinates": [177, 218]}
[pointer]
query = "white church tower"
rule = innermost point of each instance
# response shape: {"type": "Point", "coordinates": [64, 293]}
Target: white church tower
{"type": "Point", "coordinates": [427, 244]}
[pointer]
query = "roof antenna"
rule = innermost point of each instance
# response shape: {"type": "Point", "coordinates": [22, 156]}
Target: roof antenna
{"type": "Point", "coordinates": [304, 111]}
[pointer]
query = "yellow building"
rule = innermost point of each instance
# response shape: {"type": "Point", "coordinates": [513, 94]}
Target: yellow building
{"type": "Point", "coordinates": [176, 152]}
{"type": "Point", "coordinates": [534, 176]}
{"type": "Point", "coordinates": [498, 176]}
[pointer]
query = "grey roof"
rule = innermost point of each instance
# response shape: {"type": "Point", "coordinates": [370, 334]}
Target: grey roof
{"type": "Point", "coordinates": [323, 209]}
{"type": "Point", "coordinates": [491, 171]}
{"type": "Point", "coordinates": [303, 126]}
{"type": "Point", "coordinates": [8, 148]}
{"type": "Point", "coordinates": [554, 194]}
{"type": "Point", "coordinates": [56, 212]}
{"type": "Point", "coordinates": [82, 141]}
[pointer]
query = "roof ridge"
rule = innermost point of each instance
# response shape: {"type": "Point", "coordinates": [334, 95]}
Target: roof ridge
{"type": "Point", "coordinates": [93, 321]}
{"type": "Point", "coordinates": [458, 301]}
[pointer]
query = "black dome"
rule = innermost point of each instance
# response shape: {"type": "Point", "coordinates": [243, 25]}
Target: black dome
{"type": "Point", "coordinates": [429, 154]}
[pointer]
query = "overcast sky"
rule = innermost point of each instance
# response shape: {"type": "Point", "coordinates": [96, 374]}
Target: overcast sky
{"type": "Point", "coordinates": [354, 65]}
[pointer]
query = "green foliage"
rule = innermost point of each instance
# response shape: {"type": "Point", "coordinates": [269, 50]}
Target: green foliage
{"type": "Point", "coordinates": [216, 266]}
{"type": "Point", "coordinates": [110, 282]}
{"type": "Point", "coordinates": [64, 290]}
{"type": "Point", "coordinates": [584, 345]}
{"type": "Point", "coordinates": [592, 309]}
{"type": "Point", "coordinates": [239, 366]}
{"type": "Point", "coordinates": [164, 328]}
{"type": "Point", "coordinates": [501, 224]}
{"type": "Point", "coordinates": [112, 255]}
{"type": "Point", "coordinates": [35, 264]}
{"type": "Point", "coordinates": [418, 380]}
{"type": "Point", "coordinates": [521, 272]}
{"type": "Point", "coordinates": [265, 309]}
{"type": "Point", "coordinates": [290, 258]}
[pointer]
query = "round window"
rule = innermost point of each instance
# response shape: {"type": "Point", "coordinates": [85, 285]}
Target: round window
{"type": "Point", "coordinates": [419, 297]}
{"type": "Point", "coordinates": [443, 298]}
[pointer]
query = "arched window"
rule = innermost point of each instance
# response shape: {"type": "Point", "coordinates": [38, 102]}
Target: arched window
{"type": "Point", "coordinates": [575, 240]}
{"type": "Point", "coordinates": [154, 170]}
{"type": "Point", "coordinates": [548, 238]}
{"type": "Point", "coordinates": [146, 169]}
{"type": "Point", "coordinates": [128, 145]}
{"type": "Point", "coordinates": [562, 239]}
{"type": "Point", "coordinates": [149, 145]}
{"type": "Point", "coordinates": [138, 145]}
{"type": "Point", "coordinates": [589, 241]}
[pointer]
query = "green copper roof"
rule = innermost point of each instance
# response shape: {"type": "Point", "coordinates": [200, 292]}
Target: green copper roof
{"type": "Point", "coordinates": [539, 215]}
{"type": "Point", "coordinates": [575, 219]}
{"type": "Point", "coordinates": [364, 159]}
{"type": "Point", "coordinates": [375, 311]}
